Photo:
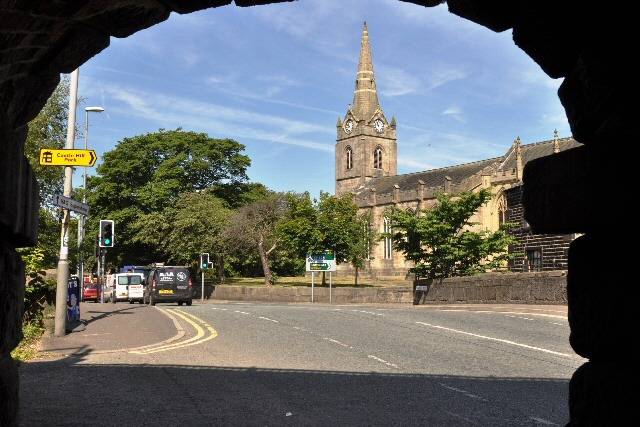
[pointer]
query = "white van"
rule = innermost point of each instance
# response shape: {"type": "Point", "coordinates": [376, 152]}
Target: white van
{"type": "Point", "coordinates": [128, 287]}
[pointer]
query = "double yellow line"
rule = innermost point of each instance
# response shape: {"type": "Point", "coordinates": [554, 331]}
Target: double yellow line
{"type": "Point", "coordinates": [204, 333]}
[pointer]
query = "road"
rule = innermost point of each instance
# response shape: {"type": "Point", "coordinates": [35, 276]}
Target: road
{"type": "Point", "coordinates": [301, 364]}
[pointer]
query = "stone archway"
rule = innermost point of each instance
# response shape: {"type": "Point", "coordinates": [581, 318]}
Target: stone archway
{"type": "Point", "coordinates": [583, 43]}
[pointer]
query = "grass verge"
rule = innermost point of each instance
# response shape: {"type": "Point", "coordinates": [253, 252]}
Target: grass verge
{"type": "Point", "coordinates": [28, 349]}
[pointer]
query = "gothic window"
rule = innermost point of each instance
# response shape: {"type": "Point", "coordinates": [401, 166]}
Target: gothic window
{"type": "Point", "coordinates": [388, 247]}
{"type": "Point", "coordinates": [349, 158]}
{"type": "Point", "coordinates": [502, 210]}
{"type": "Point", "coordinates": [377, 158]}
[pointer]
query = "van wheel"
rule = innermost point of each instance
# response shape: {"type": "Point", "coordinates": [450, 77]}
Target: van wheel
{"type": "Point", "coordinates": [189, 302]}
{"type": "Point", "coordinates": [130, 301]}
{"type": "Point", "coordinates": [179, 302]}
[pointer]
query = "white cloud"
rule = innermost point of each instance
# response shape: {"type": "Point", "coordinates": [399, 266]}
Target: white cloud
{"type": "Point", "coordinates": [455, 113]}
{"type": "Point", "coordinates": [171, 111]}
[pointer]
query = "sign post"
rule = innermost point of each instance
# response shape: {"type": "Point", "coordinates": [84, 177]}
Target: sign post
{"type": "Point", "coordinates": [323, 261]}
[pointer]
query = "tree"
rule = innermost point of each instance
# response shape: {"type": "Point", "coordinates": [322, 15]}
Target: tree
{"type": "Point", "coordinates": [332, 223]}
{"type": "Point", "coordinates": [440, 243]}
{"type": "Point", "coordinates": [147, 174]}
{"type": "Point", "coordinates": [49, 130]}
{"type": "Point", "coordinates": [361, 243]}
{"type": "Point", "coordinates": [254, 228]}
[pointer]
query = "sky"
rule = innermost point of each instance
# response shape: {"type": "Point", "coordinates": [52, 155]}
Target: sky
{"type": "Point", "coordinates": [277, 77]}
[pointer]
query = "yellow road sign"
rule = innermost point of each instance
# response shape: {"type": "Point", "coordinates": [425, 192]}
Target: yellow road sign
{"type": "Point", "coordinates": [67, 157]}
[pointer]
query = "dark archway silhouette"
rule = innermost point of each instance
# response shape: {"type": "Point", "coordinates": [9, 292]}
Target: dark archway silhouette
{"type": "Point", "coordinates": [583, 42]}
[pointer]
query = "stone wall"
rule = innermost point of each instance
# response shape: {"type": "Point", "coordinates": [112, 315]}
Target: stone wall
{"type": "Point", "coordinates": [588, 44]}
{"type": "Point", "coordinates": [497, 288]}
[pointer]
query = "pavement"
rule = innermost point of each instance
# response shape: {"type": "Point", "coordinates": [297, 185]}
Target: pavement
{"type": "Point", "coordinates": [225, 363]}
{"type": "Point", "coordinates": [110, 327]}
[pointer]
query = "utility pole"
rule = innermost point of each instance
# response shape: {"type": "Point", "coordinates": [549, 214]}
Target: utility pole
{"type": "Point", "coordinates": [63, 261]}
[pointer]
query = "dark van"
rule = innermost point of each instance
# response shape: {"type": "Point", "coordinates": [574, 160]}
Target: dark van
{"type": "Point", "coordinates": [168, 284]}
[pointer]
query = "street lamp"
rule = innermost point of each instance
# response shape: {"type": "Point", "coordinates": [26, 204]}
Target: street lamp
{"type": "Point", "coordinates": [81, 221]}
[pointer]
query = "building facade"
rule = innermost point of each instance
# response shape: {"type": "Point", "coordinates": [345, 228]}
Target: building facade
{"type": "Point", "coordinates": [366, 166]}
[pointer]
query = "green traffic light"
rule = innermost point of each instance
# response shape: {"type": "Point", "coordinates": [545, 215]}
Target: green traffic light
{"type": "Point", "coordinates": [107, 241]}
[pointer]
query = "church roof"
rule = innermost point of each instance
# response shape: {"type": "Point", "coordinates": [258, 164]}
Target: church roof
{"type": "Point", "coordinates": [536, 150]}
{"type": "Point", "coordinates": [432, 178]}
{"type": "Point", "coordinates": [458, 173]}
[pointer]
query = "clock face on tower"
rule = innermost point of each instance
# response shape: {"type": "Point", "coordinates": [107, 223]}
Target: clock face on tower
{"type": "Point", "coordinates": [348, 126]}
{"type": "Point", "coordinates": [378, 125]}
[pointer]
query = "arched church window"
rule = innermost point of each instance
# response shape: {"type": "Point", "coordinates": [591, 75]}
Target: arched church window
{"type": "Point", "coordinates": [349, 159]}
{"type": "Point", "coordinates": [502, 210]}
{"type": "Point", "coordinates": [377, 158]}
{"type": "Point", "coordinates": [388, 246]}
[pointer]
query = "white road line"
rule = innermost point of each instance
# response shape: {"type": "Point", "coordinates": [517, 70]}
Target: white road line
{"type": "Point", "coordinates": [270, 320]}
{"type": "Point", "coordinates": [559, 324]}
{"type": "Point", "coordinates": [368, 312]}
{"type": "Point", "coordinates": [505, 313]}
{"type": "Point", "coordinates": [335, 341]}
{"type": "Point", "coordinates": [382, 361]}
{"type": "Point", "coordinates": [465, 392]}
{"type": "Point", "coordinates": [530, 347]}
{"type": "Point", "coordinates": [543, 421]}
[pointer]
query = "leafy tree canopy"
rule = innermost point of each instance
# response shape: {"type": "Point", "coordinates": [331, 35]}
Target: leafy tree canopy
{"type": "Point", "coordinates": [49, 130]}
{"type": "Point", "coordinates": [140, 183]}
{"type": "Point", "coordinates": [440, 241]}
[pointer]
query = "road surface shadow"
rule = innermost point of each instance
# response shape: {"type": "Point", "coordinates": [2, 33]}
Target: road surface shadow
{"type": "Point", "coordinates": [71, 391]}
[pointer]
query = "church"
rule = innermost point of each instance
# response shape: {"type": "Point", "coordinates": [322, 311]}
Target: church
{"type": "Point", "coordinates": [366, 153]}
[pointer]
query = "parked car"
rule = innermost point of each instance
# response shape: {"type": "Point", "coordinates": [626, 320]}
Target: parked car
{"type": "Point", "coordinates": [91, 292]}
{"type": "Point", "coordinates": [168, 284]}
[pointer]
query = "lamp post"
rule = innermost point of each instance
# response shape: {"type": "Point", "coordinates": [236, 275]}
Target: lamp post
{"type": "Point", "coordinates": [81, 221]}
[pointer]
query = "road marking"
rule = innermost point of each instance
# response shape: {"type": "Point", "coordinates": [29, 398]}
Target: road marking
{"type": "Point", "coordinates": [199, 338]}
{"type": "Point", "coordinates": [543, 421]}
{"type": "Point", "coordinates": [465, 392]}
{"type": "Point", "coordinates": [559, 324]}
{"type": "Point", "coordinates": [371, 356]}
{"type": "Point", "coordinates": [505, 313]}
{"type": "Point", "coordinates": [270, 320]}
{"type": "Point", "coordinates": [336, 342]}
{"type": "Point", "coordinates": [530, 347]}
{"type": "Point", "coordinates": [368, 312]}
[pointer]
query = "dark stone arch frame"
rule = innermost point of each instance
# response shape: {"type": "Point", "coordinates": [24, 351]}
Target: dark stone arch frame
{"type": "Point", "coordinates": [585, 43]}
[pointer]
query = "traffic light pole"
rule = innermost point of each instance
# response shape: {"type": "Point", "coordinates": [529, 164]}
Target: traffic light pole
{"type": "Point", "coordinates": [63, 261]}
{"type": "Point", "coordinates": [202, 291]}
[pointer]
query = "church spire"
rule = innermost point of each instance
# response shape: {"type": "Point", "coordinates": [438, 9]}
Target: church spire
{"type": "Point", "coordinates": [365, 96]}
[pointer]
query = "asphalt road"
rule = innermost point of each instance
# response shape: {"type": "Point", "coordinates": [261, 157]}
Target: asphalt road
{"type": "Point", "coordinates": [262, 364]}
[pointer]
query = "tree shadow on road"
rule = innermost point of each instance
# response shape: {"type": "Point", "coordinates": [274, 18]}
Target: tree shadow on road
{"type": "Point", "coordinates": [72, 391]}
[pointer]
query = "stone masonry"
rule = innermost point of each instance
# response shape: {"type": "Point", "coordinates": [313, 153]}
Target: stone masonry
{"type": "Point", "coordinates": [589, 44]}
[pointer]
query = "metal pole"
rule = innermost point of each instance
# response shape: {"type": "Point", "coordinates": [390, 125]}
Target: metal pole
{"type": "Point", "coordinates": [99, 277]}
{"type": "Point", "coordinates": [81, 219]}
{"type": "Point", "coordinates": [329, 286]}
{"type": "Point", "coordinates": [312, 276]}
{"type": "Point", "coordinates": [202, 295]}
{"type": "Point", "coordinates": [63, 261]}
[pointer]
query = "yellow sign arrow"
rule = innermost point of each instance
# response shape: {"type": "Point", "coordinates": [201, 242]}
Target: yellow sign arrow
{"type": "Point", "coordinates": [67, 157]}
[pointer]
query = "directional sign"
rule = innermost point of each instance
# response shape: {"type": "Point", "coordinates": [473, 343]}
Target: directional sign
{"type": "Point", "coordinates": [67, 157]}
{"type": "Point", "coordinates": [323, 261]}
{"type": "Point", "coordinates": [72, 205]}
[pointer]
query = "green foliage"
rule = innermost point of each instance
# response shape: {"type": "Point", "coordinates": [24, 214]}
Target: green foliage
{"type": "Point", "coordinates": [332, 223]}
{"type": "Point", "coordinates": [49, 130]}
{"type": "Point", "coordinates": [142, 183]}
{"type": "Point", "coordinates": [38, 291]}
{"type": "Point", "coordinates": [440, 243]}
{"type": "Point", "coordinates": [27, 349]}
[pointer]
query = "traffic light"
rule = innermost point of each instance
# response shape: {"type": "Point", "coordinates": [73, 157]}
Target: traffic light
{"type": "Point", "coordinates": [204, 261]}
{"type": "Point", "coordinates": [106, 236]}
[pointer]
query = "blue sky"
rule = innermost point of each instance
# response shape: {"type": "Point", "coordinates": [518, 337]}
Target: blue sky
{"type": "Point", "coordinates": [276, 78]}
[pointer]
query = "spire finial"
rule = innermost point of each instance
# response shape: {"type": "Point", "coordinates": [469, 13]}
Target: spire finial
{"type": "Point", "coordinates": [556, 142]}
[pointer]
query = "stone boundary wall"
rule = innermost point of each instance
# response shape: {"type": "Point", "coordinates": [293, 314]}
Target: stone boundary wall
{"type": "Point", "coordinates": [494, 288]}
{"type": "Point", "coordinates": [548, 287]}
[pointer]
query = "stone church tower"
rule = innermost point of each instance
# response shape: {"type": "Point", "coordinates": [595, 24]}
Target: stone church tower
{"type": "Point", "coordinates": [366, 145]}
